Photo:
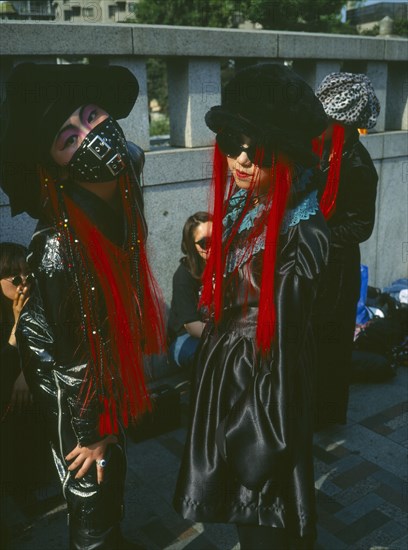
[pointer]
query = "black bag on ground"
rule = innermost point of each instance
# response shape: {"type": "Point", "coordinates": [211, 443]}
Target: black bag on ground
{"type": "Point", "coordinates": [370, 367]}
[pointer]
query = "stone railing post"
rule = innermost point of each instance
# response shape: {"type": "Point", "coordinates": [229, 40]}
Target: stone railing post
{"type": "Point", "coordinates": [377, 72]}
{"type": "Point", "coordinates": [136, 125]}
{"type": "Point", "coordinates": [194, 87]}
{"type": "Point", "coordinates": [396, 115]}
{"type": "Point", "coordinates": [314, 71]}
{"type": "Point", "coordinates": [323, 68]}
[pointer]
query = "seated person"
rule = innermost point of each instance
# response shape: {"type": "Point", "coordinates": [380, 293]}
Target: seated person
{"type": "Point", "coordinates": [186, 322]}
{"type": "Point", "coordinates": [21, 424]}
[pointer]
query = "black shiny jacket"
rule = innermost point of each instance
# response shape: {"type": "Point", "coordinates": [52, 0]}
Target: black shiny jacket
{"type": "Point", "coordinates": [51, 342]}
{"type": "Point", "coordinates": [353, 220]}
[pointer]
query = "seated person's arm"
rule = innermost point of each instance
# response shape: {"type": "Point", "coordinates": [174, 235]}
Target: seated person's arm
{"type": "Point", "coordinates": [195, 328]}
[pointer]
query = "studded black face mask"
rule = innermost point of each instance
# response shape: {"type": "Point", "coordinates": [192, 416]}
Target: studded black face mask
{"type": "Point", "coordinates": [103, 154]}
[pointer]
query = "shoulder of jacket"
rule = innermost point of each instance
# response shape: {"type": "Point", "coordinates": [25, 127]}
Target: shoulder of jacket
{"type": "Point", "coordinates": [361, 162]}
{"type": "Point", "coordinates": [45, 251]}
{"type": "Point", "coordinates": [137, 156]}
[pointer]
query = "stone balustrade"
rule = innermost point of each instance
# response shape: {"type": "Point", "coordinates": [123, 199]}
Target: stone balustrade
{"type": "Point", "coordinates": [176, 178]}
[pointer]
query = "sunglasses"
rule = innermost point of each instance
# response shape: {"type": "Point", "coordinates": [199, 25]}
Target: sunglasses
{"type": "Point", "coordinates": [204, 243]}
{"type": "Point", "coordinates": [21, 280]}
{"type": "Point", "coordinates": [230, 144]}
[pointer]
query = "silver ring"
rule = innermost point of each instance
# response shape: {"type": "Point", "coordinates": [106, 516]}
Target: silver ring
{"type": "Point", "coordinates": [101, 463]}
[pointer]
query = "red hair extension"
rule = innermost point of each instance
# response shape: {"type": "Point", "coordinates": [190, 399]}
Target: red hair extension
{"type": "Point", "coordinates": [267, 314]}
{"type": "Point", "coordinates": [318, 145]}
{"type": "Point", "coordinates": [275, 205]}
{"type": "Point", "coordinates": [117, 282]}
{"type": "Point", "coordinates": [111, 266]}
{"type": "Point", "coordinates": [151, 299]}
{"type": "Point", "coordinates": [328, 200]}
{"type": "Point", "coordinates": [213, 273]}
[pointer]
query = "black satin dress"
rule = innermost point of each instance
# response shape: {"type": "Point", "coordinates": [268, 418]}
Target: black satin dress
{"type": "Point", "coordinates": [248, 454]}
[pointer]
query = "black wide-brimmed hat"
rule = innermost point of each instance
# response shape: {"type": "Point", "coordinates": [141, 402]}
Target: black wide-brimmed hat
{"type": "Point", "coordinates": [39, 98]}
{"type": "Point", "coordinates": [273, 104]}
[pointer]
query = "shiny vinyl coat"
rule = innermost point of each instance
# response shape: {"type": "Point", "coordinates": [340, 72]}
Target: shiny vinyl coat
{"type": "Point", "coordinates": [54, 358]}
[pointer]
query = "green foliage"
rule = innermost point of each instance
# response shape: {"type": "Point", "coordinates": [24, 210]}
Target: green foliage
{"type": "Point", "coordinates": [294, 15]}
{"type": "Point", "coordinates": [196, 13]}
{"type": "Point", "coordinates": [157, 82]}
{"type": "Point", "coordinates": [400, 27]}
{"type": "Point", "coordinates": [374, 31]}
{"type": "Point", "coordinates": [299, 15]}
{"type": "Point", "coordinates": [160, 127]}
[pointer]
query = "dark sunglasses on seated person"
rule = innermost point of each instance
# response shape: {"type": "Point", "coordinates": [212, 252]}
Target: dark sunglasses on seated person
{"type": "Point", "coordinates": [21, 280]}
{"type": "Point", "coordinates": [230, 143]}
{"type": "Point", "coordinates": [204, 243]}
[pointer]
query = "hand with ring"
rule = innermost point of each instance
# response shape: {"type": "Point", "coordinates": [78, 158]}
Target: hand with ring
{"type": "Point", "coordinates": [84, 457]}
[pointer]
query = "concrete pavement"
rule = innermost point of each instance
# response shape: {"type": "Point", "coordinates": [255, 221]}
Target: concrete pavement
{"type": "Point", "coordinates": [361, 481]}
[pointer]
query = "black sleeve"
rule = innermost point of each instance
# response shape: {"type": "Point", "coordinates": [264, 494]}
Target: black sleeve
{"type": "Point", "coordinates": [58, 326]}
{"type": "Point", "coordinates": [260, 434]}
{"type": "Point", "coordinates": [10, 369]}
{"type": "Point", "coordinates": [184, 304]}
{"type": "Point", "coordinates": [356, 221]}
{"type": "Point", "coordinates": [353, 220]}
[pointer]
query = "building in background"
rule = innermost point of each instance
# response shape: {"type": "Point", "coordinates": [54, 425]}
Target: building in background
{"type": "Point", "coordinates": [94, 11]}
{"type": "Point", "coordinates": [76, 11]}
{"type": "Point", "coordinates": [27, 9]}
{"type": "Point", "coordinates": [367, 17]}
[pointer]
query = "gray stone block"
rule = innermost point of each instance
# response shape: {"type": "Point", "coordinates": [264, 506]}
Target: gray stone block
{"type": "Point", "coordinates": [194, 87]}
{"type": "Point", "coordinates": [136, 125]}
{"type": "Point", "coordinates": [397, 97]}
{"type": "Point", "coordinates": [39, 38]}
{"type": "Point", "coordinates": [374, 143]}
{"type": "Point", "coordinates": [199, 42]}
{"type": "Point", "coordinates": [18, 229]}
{"type": "Point", "coordinates": [377, 72]}
{"type": "Point", "coordinates": [177, 165]}
{"type": "Point", "coordinates": [396, 145]}
{"type": "Point", "coordinates": [323, 68]}
{"type": "Point", "coordinates": [167, 208]}
{"type": "Point", "coordinates": [396, 49]}
{"type": "Point", "coordinates": [294, 45]}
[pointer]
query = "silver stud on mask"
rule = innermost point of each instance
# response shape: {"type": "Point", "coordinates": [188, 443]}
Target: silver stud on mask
{"type": "Point", "coordinates": [103, 154]}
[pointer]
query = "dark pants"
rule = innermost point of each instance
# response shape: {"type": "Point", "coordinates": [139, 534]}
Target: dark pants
{"type": "Point", "coordinates": [95, 511]}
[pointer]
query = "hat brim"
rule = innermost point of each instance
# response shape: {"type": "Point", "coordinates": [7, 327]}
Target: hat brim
{"type": "Point", "coordinates": [39, 99]}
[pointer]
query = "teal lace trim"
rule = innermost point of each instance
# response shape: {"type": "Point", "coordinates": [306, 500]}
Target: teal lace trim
{"type": "Point", "coordinates": [303, 211]}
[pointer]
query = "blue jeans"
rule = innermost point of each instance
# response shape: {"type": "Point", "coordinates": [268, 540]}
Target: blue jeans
{"type": "Point", "coordinates": [182, 350]}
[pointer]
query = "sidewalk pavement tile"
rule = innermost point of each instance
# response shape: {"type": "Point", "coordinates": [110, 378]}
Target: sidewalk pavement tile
{"type": "Point", "coordinates": [360, 479]}
{"type": "Point", "coordinates": [360, 508]}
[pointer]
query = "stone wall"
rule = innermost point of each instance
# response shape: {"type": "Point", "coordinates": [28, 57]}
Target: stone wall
{"type": "Point", "coordinates": [176, 178]}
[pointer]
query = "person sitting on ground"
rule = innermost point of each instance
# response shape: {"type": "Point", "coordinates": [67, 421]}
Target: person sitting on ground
{"type": "Point", "coordinates": [21, 424]}
{"type": "Point", "coordinates": [186, 320]}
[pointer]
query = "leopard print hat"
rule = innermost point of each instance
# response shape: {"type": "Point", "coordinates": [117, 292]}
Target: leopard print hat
{"type": "Point", "coordinates": [350, 99]}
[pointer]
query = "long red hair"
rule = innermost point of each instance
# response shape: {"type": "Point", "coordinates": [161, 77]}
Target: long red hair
{"type": "Point", "coordinates": [119, 300]}
{"type": "Point", "coordinates": [275, 206]}
{"type": "Point", "coordinates": [329, 197]}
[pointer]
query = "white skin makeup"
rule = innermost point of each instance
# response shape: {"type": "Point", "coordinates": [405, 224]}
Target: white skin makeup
{"type": "Point", "coordinates": [72, 133]}
{"type": "Point", "coordinates": [68, 140]}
